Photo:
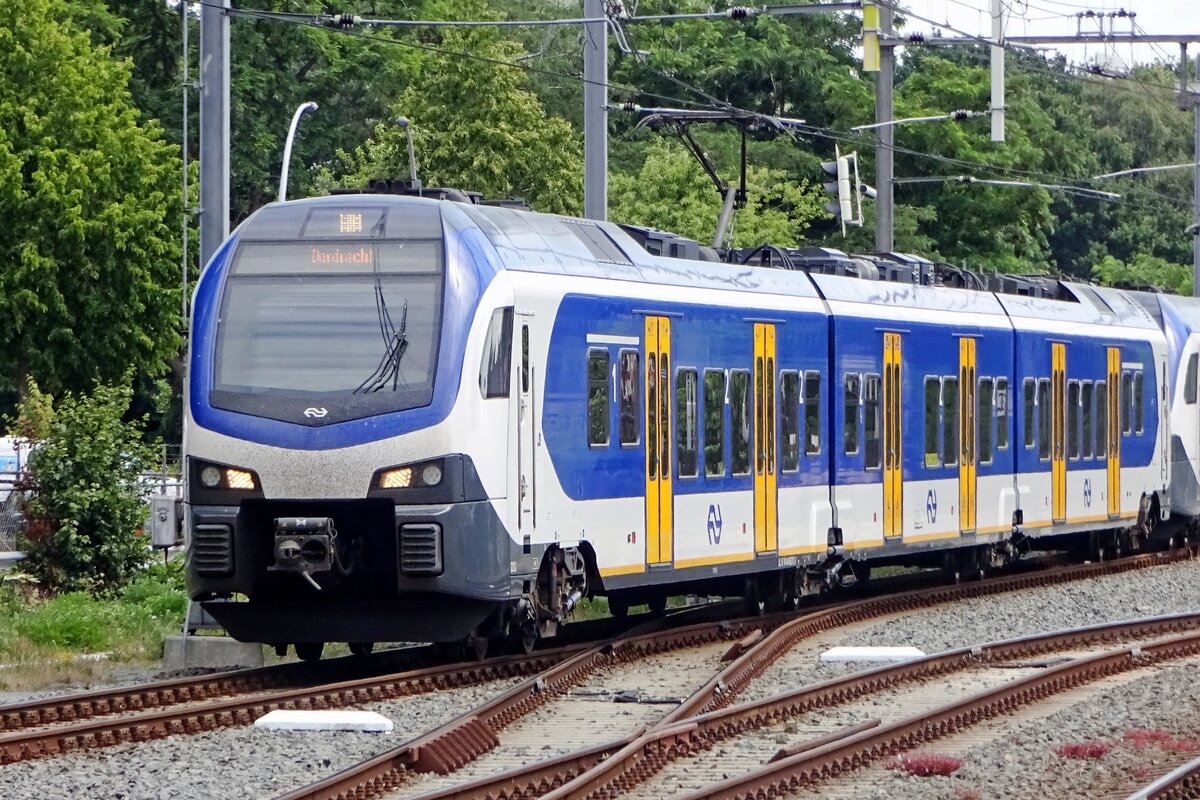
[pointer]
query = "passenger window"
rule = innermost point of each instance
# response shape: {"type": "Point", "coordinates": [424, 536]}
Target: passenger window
{"type": "Point", "coordinates": [1030, 412]}
{"type": "Point", "coordinates": [739, 421]}
{"type": "Point", "coordinates": [950, 421]}
{"type": "Point", "coordinates": [760, 450]}
{"type": "Point", "coordinates": [1002, 419]}
{"type": "Point", "coordinates": [686, 421]}
{"type": "Point", "coordinates": [986, 402]}
{"type": "Point", "coordinates": [1073, 419]}
{"type": "Point", "coordinates": [1189, 382]}
{"type": "Point", "coordinates": [495, 368]}
{"type": "Point", "coordinates": [1126, 410]}
{"type": "Point", "coordinates": [933, 392]}
{"type": "Point", "coordinates": [1043, 404]}
{"type": "Point", "coordinates": [1085, 402]}
{"type": "Point", "coordinates": [851, 394]}
{"type": "Point", "coordinates": [597, 397]}
{"type": "Point", "coordinates": [664, 414]}
{"type": "Point", "coordinates": [652, 411]}
{"type": "Point", "coordinates": [1101, 419]}
{"type": "Point", "coordinates": [789, 419]}
{"type": "Point", "coordinates": [1139, 421]}
{"type": "Point", "coordinates": [524, 359]}
{"type": "Point", "coordinates": [714, 422]}
{"type": "Point", "coordinates": [812, 412]}
{"type": "Point", "coordinates": [629, 424]}
{"type": "Point", "coordinates": [871, 426]}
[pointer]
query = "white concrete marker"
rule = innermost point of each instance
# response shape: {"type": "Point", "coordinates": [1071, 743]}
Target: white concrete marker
{"type": "Point", "coordinates": [290, 720]}
{"type": "Point", "coordinates": [871, 654]}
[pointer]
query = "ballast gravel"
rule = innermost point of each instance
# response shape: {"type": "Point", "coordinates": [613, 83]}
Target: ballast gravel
{"type": "Point", "coordinates": [249, 763]}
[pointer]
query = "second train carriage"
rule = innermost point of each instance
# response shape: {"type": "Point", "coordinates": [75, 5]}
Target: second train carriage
{"type": "Point", "coordinates": [607, 421]}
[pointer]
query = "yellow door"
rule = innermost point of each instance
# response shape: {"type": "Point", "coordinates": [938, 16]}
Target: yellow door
{"type": "Point", "coordinates": [1058, 431]}
{"type": "Point", "coordinates": [892, 442]}
{"type": "Point", "coordinates": [766, 524]}
{"type": "Point", "coordinates": [1114, 432]}
{"type": "Point", "coordinates": [659, 499]}
{"type": "Point", "coordinates": [966, 434]}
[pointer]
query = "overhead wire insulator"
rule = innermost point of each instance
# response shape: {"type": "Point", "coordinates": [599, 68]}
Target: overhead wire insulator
{"type": "Point", "coordinates": [738, 12]}
{"type": "Point", "coordinates": [960, 115]}
{"type": "Point", "coordinates": [341, 21]}
{"type": "Point", "coordinates": [917, 38]}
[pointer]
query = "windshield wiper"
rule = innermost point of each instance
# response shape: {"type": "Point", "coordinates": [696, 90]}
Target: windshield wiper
{"type": "Point", "coordinates": [395, 343]}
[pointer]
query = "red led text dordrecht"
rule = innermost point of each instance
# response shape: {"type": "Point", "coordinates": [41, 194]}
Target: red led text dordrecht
{"type": "Point", "coordinates": [338, 256]}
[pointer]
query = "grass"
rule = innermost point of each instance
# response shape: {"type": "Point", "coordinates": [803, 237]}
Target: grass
{"type": "Point", "coordinates": [1087, 751]}
{"type": "Point", "coordinates": [42, 639]}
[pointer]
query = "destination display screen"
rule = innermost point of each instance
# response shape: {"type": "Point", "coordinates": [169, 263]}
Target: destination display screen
{"type": "Point", "coordinates": [281, 258]}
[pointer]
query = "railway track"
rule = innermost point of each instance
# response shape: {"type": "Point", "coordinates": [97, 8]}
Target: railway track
{"type": "Point", "coordinates": [477, 731]}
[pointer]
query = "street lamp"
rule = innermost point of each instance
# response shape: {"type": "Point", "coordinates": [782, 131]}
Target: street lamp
{"type": "Point", "coordinates": [287, 147]}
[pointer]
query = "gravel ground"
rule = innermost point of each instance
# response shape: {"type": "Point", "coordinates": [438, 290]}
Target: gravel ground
{"type": "Point", "coordinates": [247, 763]}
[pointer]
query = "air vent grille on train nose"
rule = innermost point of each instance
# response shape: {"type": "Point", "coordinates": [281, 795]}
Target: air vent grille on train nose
{"type": "Point", "coordinates": [421, 549]}
{"type": "Point", "coordinates": [212, 549]}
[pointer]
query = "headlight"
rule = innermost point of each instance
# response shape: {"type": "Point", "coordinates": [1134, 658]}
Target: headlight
{"type": "Point", "coordinates": [423, 475]}
{"type": "Point", "coordinates": [219, 476]}
{"type": "Point", "coordinates": [210, 477]}
{"type": "Point", "coordinates": [431, 475]}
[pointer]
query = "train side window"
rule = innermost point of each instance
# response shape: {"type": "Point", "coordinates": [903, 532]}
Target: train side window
{"type": "Point", "coordinates": [740, 421]}
{"type": "Point", "coordinates": [1043, 404]}
{"type": "Point", "coordinates": [1126, 404]}
{"type": "Point", "coordinates": [986, 402]}
{"type": "Point", "coordinates": [1189, 382]}
{"type": "Point", "coordinates": [714, 422]}
{"type": "Point", "coordinates": [597, 397]}
{"type": "Point", "coordinates": [1085, 403]}
{"type": "Point", "coordinates": [1001, 413]}
{"type": "Point", "coordinates": [1073, 419]}
{"type": "Point", "coordinates": [1139, 419]}
{"type": "Point", "coordinates": [812, 412]}
{"type": "Point", "coordinates": [871, 422]}
{"type": "Point", "coordinates": [760, 450]}
{"type": "Point", "coordinates": [1101, 419]}
{"type": "Point", "coordinates": [852, 393]}
{"type": "Point", "coordinates": [933, 407]}
{"type": "Point", "coordinates": [686, 421]}
{"type": "Point", "coordinates": [950, 421]}
{"type": "Point", "coordinates": [495, 367]}
{"type": "Point", "coordinates": [1030, 392]}
{"type": "Point", "coordinates": [789, 419]}
{"type": "Point", "coordinates": [524, 359]}
{"type": "Point", "coordinates": [630, 407]}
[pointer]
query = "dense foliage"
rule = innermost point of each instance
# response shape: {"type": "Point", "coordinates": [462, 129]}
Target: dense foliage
{"type": "Point", "coordinates": [87, 507]}
{"type": "Point", "coordinates": [90, 94]}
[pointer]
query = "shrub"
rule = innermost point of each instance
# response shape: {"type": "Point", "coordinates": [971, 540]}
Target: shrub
{"type": "Point", "coordinates": [1088, 750]}
{"type": "Point", "coordinates": [86, 508]}
{"type": "Point", "coordinates": [925, 764]}
{"type": "Point", "coordinates": [1141, 738]}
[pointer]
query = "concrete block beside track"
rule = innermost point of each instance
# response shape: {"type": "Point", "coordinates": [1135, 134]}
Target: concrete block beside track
{"type": "Point", "coordinates": [184, 652]}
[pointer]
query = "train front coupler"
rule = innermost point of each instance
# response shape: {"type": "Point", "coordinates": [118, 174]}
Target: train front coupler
{"type": "Point", "coordinates": [304, 545]}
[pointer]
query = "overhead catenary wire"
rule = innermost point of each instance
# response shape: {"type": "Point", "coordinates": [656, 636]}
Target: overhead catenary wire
{"type": "Point", "coordinates": [710, 102]}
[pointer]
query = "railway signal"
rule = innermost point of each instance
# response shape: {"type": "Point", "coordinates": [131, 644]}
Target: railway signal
{"type": "Point", "coordinates": [846, 189]}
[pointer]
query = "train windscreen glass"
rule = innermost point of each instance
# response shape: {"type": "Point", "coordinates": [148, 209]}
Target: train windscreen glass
{"type": "Point", "coordinates": [326, 330]}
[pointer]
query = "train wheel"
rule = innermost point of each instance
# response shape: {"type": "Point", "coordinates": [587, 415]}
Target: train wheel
{"type": "Point", "coordinates": [618, 606]}
{"type": "Point", "coordinates": [475, 647]}
{"type": "Point", "coordinates": [525, 639]}
{"type": "Point", "coordinates": [362, 648]}
{"type": "Point", "coordinates": [309, 651]}
{"type": "Point", "coordinates": [658, 605]}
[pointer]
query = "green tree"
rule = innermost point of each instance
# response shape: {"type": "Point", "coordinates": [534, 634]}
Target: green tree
{"type": "Point", "coordinates": [477, 127]}
{"type": "Point", "coordinates": [1145, 272]}
{"type": "Point", "coordinates": [672, 192]}
{"type": "Point", "coordinates": [88, 251]}
{"type": "Point", "coordinates": [87, 507]}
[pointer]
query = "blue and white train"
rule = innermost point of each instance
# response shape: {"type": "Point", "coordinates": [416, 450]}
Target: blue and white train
{"type": "Point", "coordinates": [423, 420]}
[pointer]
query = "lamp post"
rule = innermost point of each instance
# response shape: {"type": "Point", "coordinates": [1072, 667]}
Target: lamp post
{"type": "Point", "coordinates": [287, 147]}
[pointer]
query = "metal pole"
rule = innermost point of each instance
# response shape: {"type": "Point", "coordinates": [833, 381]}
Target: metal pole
{"type": "Point", "coordinates": [214, 127]}
{"type": "Point", "coordinates": [884, 207]}
{"type": "Point", "coordinates": [287, 146]}
{"type": "Point", "coordinates": [183, 13]}
{"type": "Point", "coordinates": [997, 72]}
{"type": "Point", "coordinates": [595, 114]}
{"type": "Point", "coordinates": [1195, 181]}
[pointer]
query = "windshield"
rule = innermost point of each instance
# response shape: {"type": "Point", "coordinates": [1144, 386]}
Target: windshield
{"type": "Point", "coordinates": [322, 331]}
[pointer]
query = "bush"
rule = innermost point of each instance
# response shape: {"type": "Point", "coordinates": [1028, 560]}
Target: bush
{"type": "Point", "coordinates": [1088, 751]}
{"type": "Point", "coordinates": [87, 509]}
